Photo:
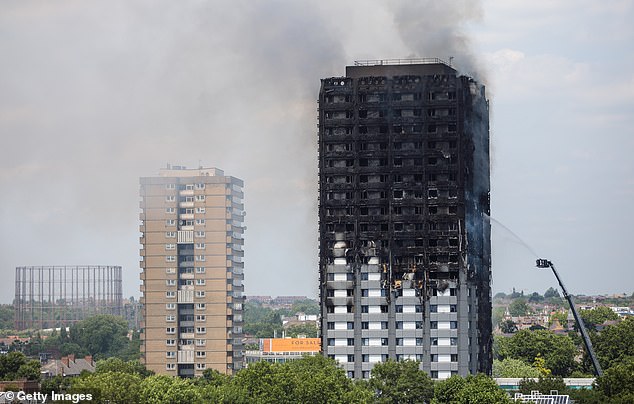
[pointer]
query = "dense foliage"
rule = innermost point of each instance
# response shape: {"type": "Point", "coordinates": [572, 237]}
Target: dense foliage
{"type": "Point", "coordinates": [101, 336]}
{"type": "Point", "coordinates": [15, 365]}
{"type": "Point", "coordinates": [266, 322]}
{"type": "Point", "coordinates": [558, 351]}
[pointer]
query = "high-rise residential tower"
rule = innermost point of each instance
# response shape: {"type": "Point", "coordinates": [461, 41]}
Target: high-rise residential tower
{"type": "Point", "coordinates": [192, 271]}
{"type": "Point", "coordinates": [403, 218]}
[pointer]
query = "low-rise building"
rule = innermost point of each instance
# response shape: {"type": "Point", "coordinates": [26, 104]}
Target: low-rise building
{"type": "Point", "coordinates": [68, 366]}
{"type": "Point", "coordinates": [280, 350]}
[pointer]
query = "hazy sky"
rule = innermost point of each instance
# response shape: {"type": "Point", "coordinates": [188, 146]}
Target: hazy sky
{"type": "Point", "coordinates": [95, 94]}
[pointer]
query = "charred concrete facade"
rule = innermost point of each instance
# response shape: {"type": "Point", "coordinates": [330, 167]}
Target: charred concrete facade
{"type": "Point", "coordinates": [404, 201]}
{"type": "Point", "coordinates": [192, 271]}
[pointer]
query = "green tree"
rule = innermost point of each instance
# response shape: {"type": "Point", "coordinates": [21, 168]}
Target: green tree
{"type": "Point", "coordinates": [29, 370]}
{"type": "Point", "coordinates": [478, 389]}
{"type": "Point", "coordinates": [508, 326]}
{"type": "Point", "coordinates": [312, 379]}
{"type": "Point", "coordinates": [102, 335]}
{"type": "Point", "coordinates": [307, 329]}
{"type": "Point", "coordinates": [551, 293]}
{"type": "Point", "coordinates": [513, 368]}
{"type": "Point", "coordinates": [543, 384]}
{"type": "Point", "coordinates": [617, 383]}
{"type": "Point", "coordinates": [597, 316]}
{"type": "Point", "coordinates": [446, 391]}
{"type": "Point", "coordinates": [561, 317]}
{"type": "Point", "coordinates": [401, 382]}
{"type": "Point", "coordinates": [614, 344]}
{"type": "Point", "coordinates": [518, 307]}
{"type": "Point", "coordinates": [15, 365]}
{"type": "Point", "coordinates": [108, 387]}
{"type": "Point", "coordinates": [558, 351]}
{"type": "Point", "coordinates": [161, 389]}
{"type": "Point", "coordinates": [535, 298]}
{"type": "Point", "coordinates": [121, 366]}
{"type": "Point", "coordinates": [215, 378]}
{"type": "Point", "coordinates": [6, 317]}
{"type": "Point", "coordinates": [307, 306]}
{"type": "Point", "coordinates": [57, 384]}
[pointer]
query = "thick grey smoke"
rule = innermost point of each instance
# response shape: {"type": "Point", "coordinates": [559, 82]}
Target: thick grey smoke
{"type": "Point", "coordinates": [96, 95]}
{"type": "Point", "coordinates": [436, 29]}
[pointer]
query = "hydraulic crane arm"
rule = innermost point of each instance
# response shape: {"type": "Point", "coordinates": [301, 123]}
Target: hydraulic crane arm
{"type": "Point", "coordinates": [542, 263]}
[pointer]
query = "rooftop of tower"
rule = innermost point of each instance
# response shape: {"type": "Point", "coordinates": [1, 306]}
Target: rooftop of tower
{"type": "Point", "coordinates": [182, 171]}
{"type": "Point", "coordinates": [399, 67]}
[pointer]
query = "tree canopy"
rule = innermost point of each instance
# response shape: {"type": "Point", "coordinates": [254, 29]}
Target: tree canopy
{"type": "Point", "coordinates": [401, 382]}
{"type": "Point", "coordinates": [558, 351]}
{"type": "Point", "coordinates": [15, 365]}
{"type": "Point", "coordinates": [519, 307]}
{"type": "Point", "coordinates": [614, 344]}
{"type": "Point", "coordinates": [479, 389]}
{"type": "Point", "coordinates": [597, 316]}
{"type": "Point", "coordinates": [510, 367]}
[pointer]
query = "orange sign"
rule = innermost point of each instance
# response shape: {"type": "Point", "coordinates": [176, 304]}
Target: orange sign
{"type": "Point", "coordinates": [291, 344]}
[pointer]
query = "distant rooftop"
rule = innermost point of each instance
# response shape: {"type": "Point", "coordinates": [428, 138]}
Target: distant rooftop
{"type": "Point", "coordinates": [182, 171]}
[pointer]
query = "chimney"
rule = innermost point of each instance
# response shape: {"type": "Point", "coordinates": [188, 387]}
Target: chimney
{"type": "Point", "coordinates": [71, 358]}
{"type": "Point", "coordinates": [65, 360]}
{"type": "Point", "coordinates": [88, 359]}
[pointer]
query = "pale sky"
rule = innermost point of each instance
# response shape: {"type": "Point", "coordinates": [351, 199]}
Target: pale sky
{"type": "Point", "coordinates": [95, 94]}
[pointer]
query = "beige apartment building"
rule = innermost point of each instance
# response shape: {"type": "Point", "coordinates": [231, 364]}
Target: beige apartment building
{"type": "Point", "coordinates": [192, 271]}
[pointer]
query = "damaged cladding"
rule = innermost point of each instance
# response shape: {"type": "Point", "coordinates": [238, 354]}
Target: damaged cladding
{"type": "Point", "coordinates": [403, 200]}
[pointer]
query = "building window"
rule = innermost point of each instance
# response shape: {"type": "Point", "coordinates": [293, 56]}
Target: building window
{"type": "Point", "coordinates": [200, 210]}
{"type": "Point", "coordinates": [170, 294]}
{"type": "Point", "coordinates": [170, 186]}
{"type": "Point", "coordinates": [199, 246]}
{"type": "Point", "coordinates": [170, 222]}
{"type": "Point", "coordinates": [200, 258]}
{"type": "Point", "coordinates": [170, 342]}
{"type": "Point", "coordinates": [170, 282]}
{"type": "Point", "coordinates": [170, 330]}
{"type": "Point", "coordinates": [170, 234]}
{"type": "Point", "coordinates": [201, 354]}
{"type": "Point", "coordinates": [200, 198]}
{"type": "Point", "coordinates": [201, 330]}
{"type": "Point", "coordinates": [200, 186]}
{"type": "Point", "coordinates": [201, 317]}
{"type": "Point", "coordinates": [170, 306]}
{"type": "Point", "coordinates": [170, 258]}
{"type": "Point", "coordinates": [170, 354]}
{"type": "Point", "coordinates": [170, 246]}
{"type": "Point", "coordinates": [170, 366]}
{"type": "Point", "coordinates": [170, 318]}
{"type": "Point", "coordinates": [201, 366]}
{"type": "Point", "coordinates": [200, 270]}
{"type": "Point", "coordinates": [200, 234]}
{"type": "Point", "coordinates": [170, 270]}
{"type": "Point", "coordinates": [170, 210]}
{"type": "Point", "coordinates": [200, 293]}
{"type": "Point", "coordinates": [200, 222]}
{"type": "Point", "coordinates": [200, 306]}
{"type": "Point", "coordinates": [201, 342]}
{"type": "Point", "coordinates": [170, 198]}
